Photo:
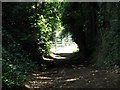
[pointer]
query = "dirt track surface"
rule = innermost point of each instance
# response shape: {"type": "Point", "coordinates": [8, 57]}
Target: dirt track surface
{"type": "Point", "coordinates": [74, 77]}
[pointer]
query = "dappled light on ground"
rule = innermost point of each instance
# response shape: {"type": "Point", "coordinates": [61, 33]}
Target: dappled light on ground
{"type": "Point", "coordinates": [71, 79]}
{"type": "Point", "coordinates": [74, 77]}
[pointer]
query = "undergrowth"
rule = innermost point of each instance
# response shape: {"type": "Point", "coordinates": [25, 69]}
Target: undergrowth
{"type": "Point", "coordinates": [16, 63]}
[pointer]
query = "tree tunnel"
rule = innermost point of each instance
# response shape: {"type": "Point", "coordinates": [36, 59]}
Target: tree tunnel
{"type": "Point", "coordinates": [82, 27]}
{"type": "Point", "coordinates": [72, 18]}
{"type": "Point", "coordinates": [45, 19]}
{"type": "Point", "coordinates": [33, 33]}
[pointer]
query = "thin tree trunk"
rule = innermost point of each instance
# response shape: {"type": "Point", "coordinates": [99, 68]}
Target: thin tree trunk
{"type": "Point", "coordinates": [107, 15]}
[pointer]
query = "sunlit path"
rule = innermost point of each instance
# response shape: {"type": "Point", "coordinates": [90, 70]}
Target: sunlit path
{"type": "Point", "coordinates": [65, 48]}
{"type": "Point", "coordinates": [64, 45]}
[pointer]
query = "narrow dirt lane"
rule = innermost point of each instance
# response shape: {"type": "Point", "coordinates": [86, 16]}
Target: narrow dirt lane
{"type": "Point", "coordinates": [74, 77]}
{"type": "Point", "coordinates": [64, 71]}
{"type": "Point", "coordinates": [68, 74]}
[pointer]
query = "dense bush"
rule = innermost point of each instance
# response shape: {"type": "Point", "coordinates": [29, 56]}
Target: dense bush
{"type": "Point", "coordinates": [95, 30]}
{"type": "Point", "coordinates": [109, 38]}
{"type": "Point", "coordinates": [28, 29]}
{"type": "Point", "coordinates": [16, 63]}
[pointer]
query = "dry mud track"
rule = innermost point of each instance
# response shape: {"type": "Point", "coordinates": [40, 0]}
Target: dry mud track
{"type": "Point", "coordinates": [74, 77]}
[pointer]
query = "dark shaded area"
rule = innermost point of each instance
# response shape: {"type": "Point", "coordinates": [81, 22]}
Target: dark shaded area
{"type": "Point", "coordinates": [17, 23]}
{"type": "Point", "coordinates": [92, 29]}
{"type": "Point", "coordinates": [82, 24]}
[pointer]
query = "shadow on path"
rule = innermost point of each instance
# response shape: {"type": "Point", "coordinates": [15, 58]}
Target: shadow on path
{"type": "Point", "coordinates": [74, 77]}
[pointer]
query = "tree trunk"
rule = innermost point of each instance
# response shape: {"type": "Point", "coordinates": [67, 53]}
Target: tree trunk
{"type": "Point", "coordinates": [107, 16]}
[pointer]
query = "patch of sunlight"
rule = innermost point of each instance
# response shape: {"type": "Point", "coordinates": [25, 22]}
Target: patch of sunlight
{"type": "Point", "coordinates": [43, 77]}
{"type": "Point", "coordinates": [57, 56]}
{"type": "Point", "coordinates": [43, 82]}
{"type": "Point", "coordinates": [63, 45]}
{"type": "Point", "coordinates": [72, 79]}
{"type": "Point", "coordinates": [33, 82]}
{"type": "Point", "coordinates": [35, 74]}
{"type": "Point", "coordinates": [45, 72]}
{"type": "Point", "coordinates": [39, 82]}
{"type": "Point", "coordinates": [27, 86]}
{"type": "Point", "coordinates": [36, 87]}
{"type": "Point", "coordinates": [38, 74]}
{"type": "Point", "coordinates": [65, 48]}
